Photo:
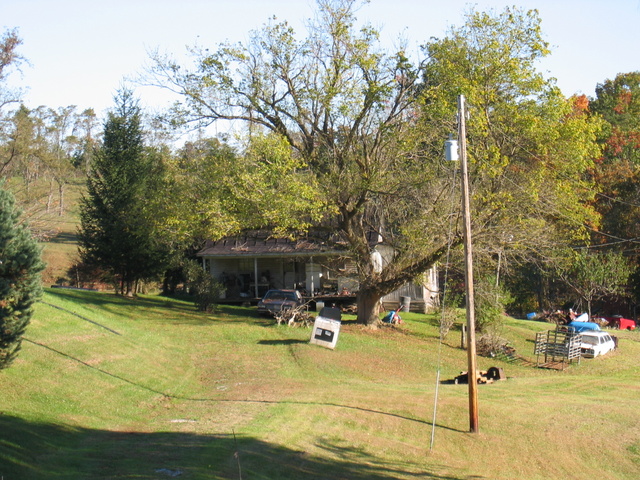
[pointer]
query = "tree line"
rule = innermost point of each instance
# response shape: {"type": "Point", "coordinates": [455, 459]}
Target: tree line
{"type": "Point", "coordinates": [345, 136]}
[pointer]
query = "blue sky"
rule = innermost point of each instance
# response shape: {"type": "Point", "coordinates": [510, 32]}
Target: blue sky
{"type": "Point", "coordinates": [80, 51]}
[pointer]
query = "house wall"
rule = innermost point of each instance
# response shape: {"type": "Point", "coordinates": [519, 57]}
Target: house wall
{"type": "Point", "coordinates": [424, 293]}
{"type": "Point", "coordinates": [414, 291]}
{"type": "Point", "coordinates": [421, 298]}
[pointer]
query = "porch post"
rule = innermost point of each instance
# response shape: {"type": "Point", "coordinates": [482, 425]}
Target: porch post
{"type": "Point", "coordinates": [313, 271]}
{"type": "Point", "coordinates": [284, 285]}
{"type": "Point", "coordinates": [255, 276]}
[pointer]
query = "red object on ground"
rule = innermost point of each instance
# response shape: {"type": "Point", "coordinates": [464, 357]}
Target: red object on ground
{"type": "Point", "coordinates": [621, 323]}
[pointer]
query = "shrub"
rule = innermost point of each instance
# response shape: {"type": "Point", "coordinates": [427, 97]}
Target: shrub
{"type": "Point", "coordinates": [206, 291]}
{"type": "Point", "coordinates": [490, 303]}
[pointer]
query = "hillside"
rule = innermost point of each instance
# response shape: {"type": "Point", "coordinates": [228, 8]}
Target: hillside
{"type": "Point", "coordinates": [148, 388]}
{"type": "Point", "coordinates": [60, 250]}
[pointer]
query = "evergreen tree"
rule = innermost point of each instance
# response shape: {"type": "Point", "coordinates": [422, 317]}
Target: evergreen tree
{"type": "Point", "coordinates": [118, 232]}
{"type": "Point", "coordinates": [20, 267]}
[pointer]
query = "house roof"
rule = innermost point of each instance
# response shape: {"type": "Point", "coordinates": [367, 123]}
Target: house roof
{"type": "Point", "coordinates": [260, 244]}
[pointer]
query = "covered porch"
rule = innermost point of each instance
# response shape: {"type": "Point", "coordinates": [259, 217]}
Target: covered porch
{"type": "Point", "coordinates": [250, 265]}
{"type": "Point", "coordinates": [247, 266]}
{"type": "Point", "coordinates": [246, 277]}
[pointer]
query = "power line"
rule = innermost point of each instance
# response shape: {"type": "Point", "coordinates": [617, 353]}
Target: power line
{"type": "Point", "coordinates": [617, 200]}
{"type": "Point", "coordinates": [582, 225]}
{"type": "Point", "coordinates": [445, 289]}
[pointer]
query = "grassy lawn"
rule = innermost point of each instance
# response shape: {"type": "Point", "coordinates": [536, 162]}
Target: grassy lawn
{"type": "Point", "coordinates": [149, 388]}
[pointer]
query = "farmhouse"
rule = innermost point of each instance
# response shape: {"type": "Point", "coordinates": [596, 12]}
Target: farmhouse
{"type": "Point", "coordinates": [250, 264]}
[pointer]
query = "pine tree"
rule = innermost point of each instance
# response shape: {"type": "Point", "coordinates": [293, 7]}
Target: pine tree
{"type": "Point", "coordinates": [118, 233]}
{"type": "Point", "coordinates": [20, 288]}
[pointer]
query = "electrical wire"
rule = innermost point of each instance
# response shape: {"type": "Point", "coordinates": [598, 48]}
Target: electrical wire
{"type": "Point", "coordinates": [580, 224]}
{"type": "Point", "coordinates": [443, 313]}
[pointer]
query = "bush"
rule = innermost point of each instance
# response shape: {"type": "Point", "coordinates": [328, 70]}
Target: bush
{"type": "Point", "coordinates": [491, 301]}
{"type": "Point", "coordinates": [448, 317]}
{"type": "Point", "coordinates": [202, 286]}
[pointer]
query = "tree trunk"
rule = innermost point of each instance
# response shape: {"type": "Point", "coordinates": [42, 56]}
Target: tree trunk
{"type": "Point", "coordinates": [368, 302]}
{"type": "Point", "coordinates": [50, 197]}
{"type": "Point", "coordinates": [61, 198]}
{"type": "Point", "coordinates": [129, 286]}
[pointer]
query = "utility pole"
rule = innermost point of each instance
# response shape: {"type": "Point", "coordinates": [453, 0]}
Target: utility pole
{"type": "Point", "coordinates": [468, 272]}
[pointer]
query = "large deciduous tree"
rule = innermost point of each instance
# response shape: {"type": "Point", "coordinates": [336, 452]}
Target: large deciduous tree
{"type": "Point", "coordinates": [10, 58]}
{"type": "Point", "coordinates": [530, 149]}
{"type": "Point", "coordinates": [118, 230]}
{"type": "Point", "coordinates": [211, 191]}
{"type": "Point", "coordinates": [618, 171]}
{"type": "Point", "coordinates": [369, 125]}
{"type": "Point", "coordinates": [20, 267]}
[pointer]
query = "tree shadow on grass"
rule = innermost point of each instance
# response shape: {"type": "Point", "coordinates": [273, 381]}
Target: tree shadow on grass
{"type": "Point", "coordinates": [106, 299]}
{"type": "Point", "coordinates": [173, 310]}
{"type": "Point", "coordinates": [287, 341]}
{"type": "Point", "coordinates": [143, 308]}
{"type": "Point", "coordinates": [36, 451]}
{"type": "Point", "coordinates": [168, 309]}
{"type": "Point", "coordinates": [65, 237]}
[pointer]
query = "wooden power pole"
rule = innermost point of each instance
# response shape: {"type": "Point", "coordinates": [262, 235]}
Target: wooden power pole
{"type": "Point", "coordinates": [468, 272]}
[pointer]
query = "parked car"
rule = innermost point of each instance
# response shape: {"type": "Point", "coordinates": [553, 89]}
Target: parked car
{"type": "Point", "coordinates": [596, 342]}
{"type": "Point", "coordinates": [275, 301]}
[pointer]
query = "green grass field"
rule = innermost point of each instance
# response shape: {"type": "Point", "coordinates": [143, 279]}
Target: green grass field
{"type": "Point", "coordinates": [148, 388]}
